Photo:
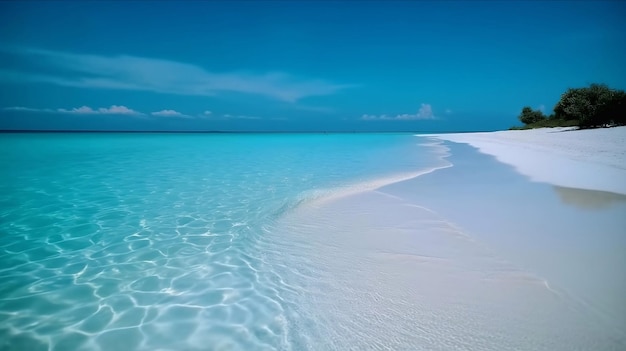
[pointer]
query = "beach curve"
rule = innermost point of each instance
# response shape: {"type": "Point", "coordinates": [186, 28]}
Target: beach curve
{"type": "Point", "coordinates": [593, 159]}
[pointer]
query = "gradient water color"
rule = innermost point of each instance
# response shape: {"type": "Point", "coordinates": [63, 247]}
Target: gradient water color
{"type": "Point", "coordinates": [130, 241]}
{"type": "Point", "coordinates": [158, 241]}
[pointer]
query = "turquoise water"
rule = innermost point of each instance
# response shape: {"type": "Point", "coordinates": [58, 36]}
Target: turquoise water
{"type": "Point", "coordinates": [158, 241]}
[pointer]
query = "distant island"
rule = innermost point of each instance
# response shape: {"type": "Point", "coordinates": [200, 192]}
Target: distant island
{"type": "Point", "coordinates": [590, 107]}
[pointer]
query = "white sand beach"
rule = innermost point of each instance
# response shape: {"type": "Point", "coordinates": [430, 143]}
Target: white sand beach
{"type": "Point", "coordinates": [592, 159]}
{"type": "Point", "coordinates": [466, 255]}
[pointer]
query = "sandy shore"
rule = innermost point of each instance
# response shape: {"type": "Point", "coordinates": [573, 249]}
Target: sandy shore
{"type": "Point", "coordinates": [592, 159]}
{"type": "Point", "coordinates": [385, 273]}
{"type": "Point", "coordinates": [465, 257]}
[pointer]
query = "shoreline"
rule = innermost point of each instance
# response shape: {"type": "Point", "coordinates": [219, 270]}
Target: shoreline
{"type": "Point", "coordinates": [423, 251]}
{"type": "Point", "coordinates": [323, 196]}
{"type": "Point", "coordinates": [592, 159]}
{"type": "Point", "coordinates": [567, 236]}
{"type": "Point", "coordinates": [384, 261]}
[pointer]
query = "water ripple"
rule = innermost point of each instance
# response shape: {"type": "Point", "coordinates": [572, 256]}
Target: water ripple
{"type": "Point", "coordinates": [158, 242]}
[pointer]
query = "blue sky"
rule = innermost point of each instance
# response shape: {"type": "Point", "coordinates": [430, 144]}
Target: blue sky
{"type": "Point", "coordinates": [355, 66]}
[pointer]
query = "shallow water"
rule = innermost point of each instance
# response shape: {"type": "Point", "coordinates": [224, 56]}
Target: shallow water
{"type": "Point", "coordinates": [288, 242]}
{"type": "Point", "coordinates": [159, 241]}
{"type": "Point", "coordinates": [398, 276]}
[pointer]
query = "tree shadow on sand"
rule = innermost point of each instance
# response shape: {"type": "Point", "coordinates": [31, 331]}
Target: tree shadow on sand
{"type": "Point", "coordinates": [588, 199]}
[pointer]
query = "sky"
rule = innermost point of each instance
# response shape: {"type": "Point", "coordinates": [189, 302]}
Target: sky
{"type": "Point", "coordinates": [300, 66]}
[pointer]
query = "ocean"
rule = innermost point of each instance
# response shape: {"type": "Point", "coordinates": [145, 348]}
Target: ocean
{"type": "Point", "coordinates": [148, 241]}
{"type": "Point", "coordinates": [157, 241]}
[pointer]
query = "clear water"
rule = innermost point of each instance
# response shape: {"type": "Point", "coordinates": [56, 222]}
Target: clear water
{"type": "Point", "coordinates": [159, 241]}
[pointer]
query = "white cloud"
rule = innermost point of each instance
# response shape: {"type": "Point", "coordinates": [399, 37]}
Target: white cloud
{"type": "Point", "coordinates": [113, 110]}
{"type": "Point", "coordinates": [83, 110]}
{"type": "Point", "coordinates": [148, 74]}
{"type": "Point", "coordinates": [425, 112]}
{"type": "Point", "coordinates": [26, 109]}
{"type": "Point", "coordinates": [206, 114]}
{"type": "Point", "coordinates": [169, 113]}
{"type": "Point", "coordinates": [120, 110]}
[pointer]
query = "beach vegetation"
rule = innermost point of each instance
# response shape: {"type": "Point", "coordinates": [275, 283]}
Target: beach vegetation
{"type": "Point", "coordinates": [594, 106]}
{"type": "Point", "coordinates": [590, 107]}
{"type": "Point", "coordinates": [530, 116]}
{"type": "Point", "coordinates": [548, 123]}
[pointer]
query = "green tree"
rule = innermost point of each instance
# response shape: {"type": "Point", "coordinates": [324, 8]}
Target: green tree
{"type": "Point", "coordinates": [528, 116]}
{"type": "Point", "coordinates": [592, 106]}
{"type": "Point", "coordinates": [614, 112]}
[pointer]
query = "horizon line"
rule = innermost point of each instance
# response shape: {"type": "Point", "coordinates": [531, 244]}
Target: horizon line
{"type": "Point", "coordinates": [18, 131]}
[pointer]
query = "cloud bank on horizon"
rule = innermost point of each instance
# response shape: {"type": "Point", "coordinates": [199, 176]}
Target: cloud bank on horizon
{"type": "Point", "coordinates": [86, 110]}
{"type": "Point", "coordinates": [425, 112]}
{"type": "Point", "coordinates": [113, 110]}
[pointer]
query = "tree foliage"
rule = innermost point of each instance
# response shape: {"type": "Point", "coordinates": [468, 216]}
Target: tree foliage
{"type": "Point", "coordinates": [528, 116]}
{"type": "Point", "coordinates": [592, 106]}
